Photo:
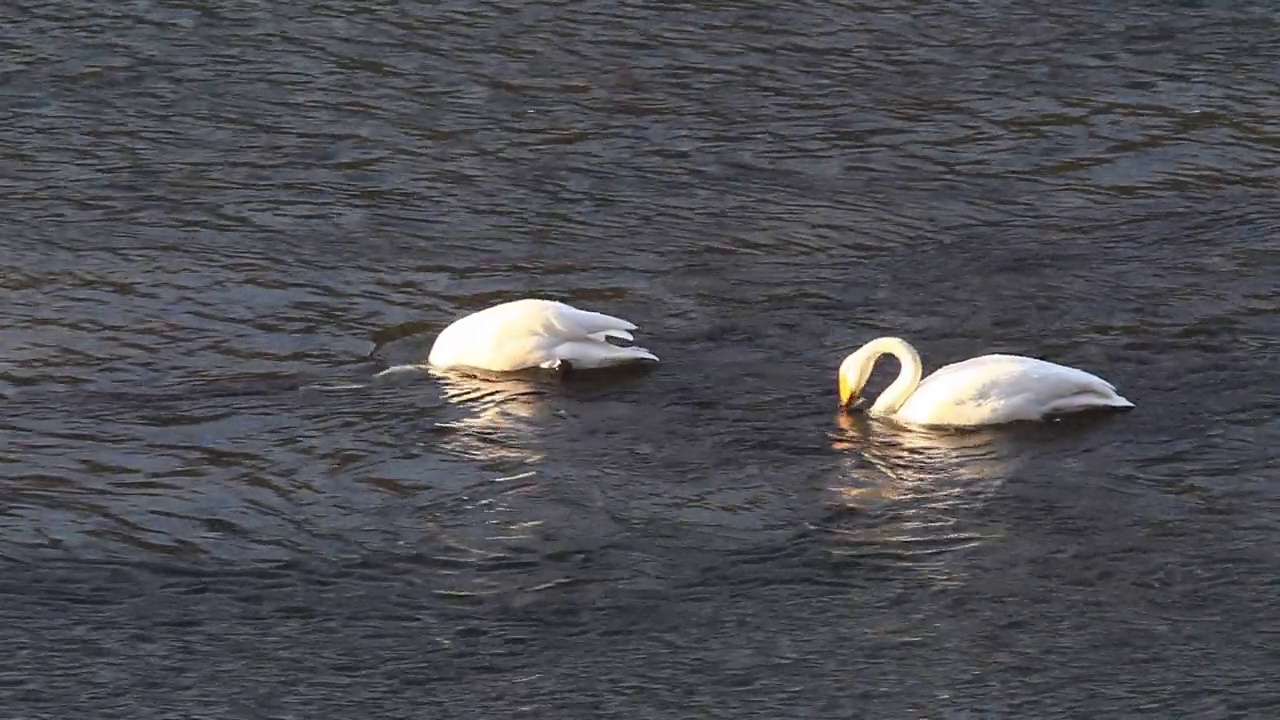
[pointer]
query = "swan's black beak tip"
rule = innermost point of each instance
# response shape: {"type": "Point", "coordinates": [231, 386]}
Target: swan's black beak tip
{"type": "Point", "coordinates": [853, 404]}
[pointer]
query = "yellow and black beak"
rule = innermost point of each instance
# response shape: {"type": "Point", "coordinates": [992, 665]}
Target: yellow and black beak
{"type": "Point", "coordinates": [848, 398]}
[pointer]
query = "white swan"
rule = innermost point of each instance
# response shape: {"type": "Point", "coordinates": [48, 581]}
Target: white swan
{"type": "Point", "coordinates": [535, 333]}
{"type": "Point", "coordinates": [986, 390]}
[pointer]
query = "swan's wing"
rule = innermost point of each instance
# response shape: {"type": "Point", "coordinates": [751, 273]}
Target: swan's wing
{"type": "Point", "coordinates": [1001, 388]}
{"type": "Point", "coordinates": [570, 323]}
{"type": "Point", "coordinates": [995, 375]}
{"type": "Point", "coordinates": [581, 338]}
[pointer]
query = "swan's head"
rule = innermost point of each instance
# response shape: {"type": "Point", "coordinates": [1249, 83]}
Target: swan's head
{"type": "Point", "coordinates": [853, 375]}
{"type": "Point", "coordinates": [856, 370]}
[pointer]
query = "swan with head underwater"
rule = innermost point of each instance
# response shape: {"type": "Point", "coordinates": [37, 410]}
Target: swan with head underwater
{"type": "Point", "coordinates": [985, 390]}
{"type": "Point", "coordinates": [535, 333]}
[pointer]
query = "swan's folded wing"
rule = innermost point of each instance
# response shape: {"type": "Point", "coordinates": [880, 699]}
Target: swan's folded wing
{"type": "Point", "coordinates": [571, 323]}
{"type": "Point", "coordinates": [999, 388]}
{"type": "Point", "coordinates": [583, 338]}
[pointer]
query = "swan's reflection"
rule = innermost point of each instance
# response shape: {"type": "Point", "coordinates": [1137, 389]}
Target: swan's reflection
{"type": "Point", "coordinates": [909, 463]}
{"type": "Point", "coordinates": [908, 494]}
{"type": "Point", "coordinates": [491, 501]}
{"type": "Point", "coordinates": [500, 417]}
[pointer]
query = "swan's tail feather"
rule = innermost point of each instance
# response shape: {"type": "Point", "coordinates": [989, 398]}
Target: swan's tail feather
{"type": "Point", "coordinates": [1088, 401]}
{"type": "Point", "coordinates": [1108, 398]}
{"type": "Point", "coordinates": [599, 354]}
{"type": "Point", "coordinates": [640, 353]}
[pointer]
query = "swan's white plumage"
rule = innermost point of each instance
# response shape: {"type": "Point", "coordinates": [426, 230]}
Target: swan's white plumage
{"type": "Point", "coordinates": [534, 333]}
{"type": "Point", "coordinates": [993, 389]}
{"type": "Point", "coordinates": [985, 390]}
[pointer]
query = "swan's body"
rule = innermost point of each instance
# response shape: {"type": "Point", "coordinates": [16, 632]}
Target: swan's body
{"type": "Point", "coordinates": [986, 390]}
{"type": "Point", "coordinates": [535, 333]}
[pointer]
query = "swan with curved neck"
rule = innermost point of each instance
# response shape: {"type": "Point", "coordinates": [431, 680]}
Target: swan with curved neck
{"type": "Point", "coordinates": [985, 390]}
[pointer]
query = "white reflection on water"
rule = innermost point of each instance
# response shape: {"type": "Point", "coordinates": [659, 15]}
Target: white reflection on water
{"type": "Point", "coordinates": [499, 421]}
{"type": "Point", "coordinates": [491, 419]}
{"type": "Point", "coordinates": [917, 464]}
{"type": "Point", "coordinates": [913, 493]}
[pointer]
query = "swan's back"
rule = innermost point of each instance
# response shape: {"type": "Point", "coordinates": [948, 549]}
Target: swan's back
{"type": "Point", "coordinates": [1004, 388]}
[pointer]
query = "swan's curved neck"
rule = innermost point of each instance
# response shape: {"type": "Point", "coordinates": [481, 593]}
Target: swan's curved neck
{"type": "Point", "coordinates": [909, 376]}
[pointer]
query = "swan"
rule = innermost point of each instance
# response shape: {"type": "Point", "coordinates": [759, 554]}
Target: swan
{"type": "Point", "coordinates": [535, 333]}
{"type": "Point", "coordinates": [985, 390]}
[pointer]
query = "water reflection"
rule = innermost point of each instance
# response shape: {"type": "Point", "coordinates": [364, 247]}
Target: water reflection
{"type": "Point", "coordinates": [909, 492]}
{"type": "Point", "coordinates": [910, 462]}
{"type": "Point", "coordinates": [491, 419]}
{"type": "Point", "coordinates": [500, 418]}
{"type": "Point", "coordinates": [500, 430]}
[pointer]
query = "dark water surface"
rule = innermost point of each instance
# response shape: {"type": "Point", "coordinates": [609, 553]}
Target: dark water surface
{"type": "Point", "coordinates": [220, 219]}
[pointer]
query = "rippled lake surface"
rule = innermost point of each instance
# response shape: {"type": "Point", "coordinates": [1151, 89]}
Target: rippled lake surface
{"type": "Point", "coordinates": [220, 220]}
